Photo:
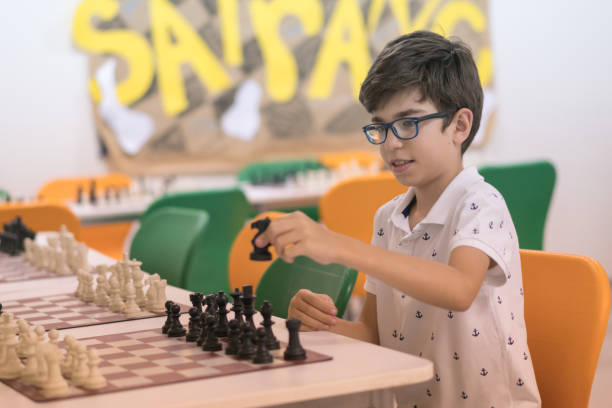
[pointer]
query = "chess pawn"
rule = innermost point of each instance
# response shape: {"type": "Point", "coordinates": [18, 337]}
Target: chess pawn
{"type": "Point", "coordinates": [95, 380]}
{"type": "Point", "coordinates": [79, 289]}
{"type": "Point", "coordinates": [61, 264]}
{"type": "Point", "coordinates": [10, 367]}
{"type": "Point", "coordinates": [66, 365]}
{"type": "Point", "coordinates": [27, 244]}
{"type": "Point", "coordinates": [54, 385]}
{"type": "Point", "coordinates": [101, 297]}
{"type": "Point", "coordinates": [131, 309]}
{"type": "Point", "coordinates": [151, 291]}
{"type": "Point", "coordinates": [30, 371]}
{"type": "Point", "coordinates": [24, 335]}
{"type": "Point", "coordinates": [137, 275]}
{"type": "Point", "coordinates": [80, 370]}
{"type": "Point", "coordinates": [41, 363]}
{"type": "Point", "coordinates": [53, 337]}
{"type": "Point", "coordinates": [160, 296]}
{"type": "Point", "coordinates": [115, 303]}
{"type": "Point", "coordinates": [262, 356]}
{"type": "Point", "coordinates": [88, 290]}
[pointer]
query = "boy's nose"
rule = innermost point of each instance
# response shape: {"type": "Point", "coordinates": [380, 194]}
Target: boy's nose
{"type": "Point", "coordinates": [392, 141]}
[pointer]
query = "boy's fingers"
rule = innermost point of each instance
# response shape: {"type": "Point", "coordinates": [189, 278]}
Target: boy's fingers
{"type": "Point", "coordinates": [319, 301]}
{"type": "Point", "coordinates": [308, 321]}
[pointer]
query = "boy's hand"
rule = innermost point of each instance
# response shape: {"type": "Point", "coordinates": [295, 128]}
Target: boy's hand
{"type": "Point", "coordinates": [316, 310]}
{"type": "Point", "coordinates": [296, 234]}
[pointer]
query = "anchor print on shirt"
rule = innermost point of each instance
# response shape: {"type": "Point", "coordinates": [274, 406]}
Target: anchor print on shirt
{"type": "Point", "coordinates": [437, 378]}
{"type": "Point", "coordinates": [428, 392]}
{"type": "Point", "coordinates": [512, 315]}
{"type": "Point", "coordinates": [499, 300]}
{"type": "Point", "coordinates": [401, 337]}
{"type": "Point", "coordinates": [450, 314]}
{"type": "Point", "coordinates": [473, 206]}
{"type": "Point", "coordinates": [456, 356]}
{"type": "Point", "coordinates": [455, 233]}
{"type": "Point", "coordinates": [394, 334]}
{"type": "Point", "coordinates": [510, 341]}
{"type": "Point", "coordinates": [483, 372]}
{"type": "Point", "coordinates": [509, 275]}
{"type": "Point", "coordinates": [463, 395]}
{"type": "Point", "coordinates": [418, 314]}
{"type": "Point", "coordinates": [525, 356]}
{"type": "Point", "coordinates": [519, 382]}
{"type": "Point", "coordinates": [475, 231]}
{"type": "Point", "coordinates": [426, 237]}
{"type": "Point", "coordinates": [381, 233]}
{"type": "Point", "coordinates": [521, 291]}
{"type": "Point", "coordinates": [433, 337]}
{"type": "Point", "coordinates": [501, 224]}
{"type": "Point", "coordinates": [434, 253]}
{"type": "Point", "coordinates": [475, 333]}
{"type": "Point", "coordinates": [491, 224]}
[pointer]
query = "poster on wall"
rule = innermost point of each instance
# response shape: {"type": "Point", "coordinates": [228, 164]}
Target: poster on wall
{"type": "Point", "coordinates": [210, 85]}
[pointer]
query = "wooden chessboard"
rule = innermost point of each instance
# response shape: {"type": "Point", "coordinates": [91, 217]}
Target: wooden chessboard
{"type": "Point", "coordinates": [148, 358]}
{"type": "Point", "coordinates": [65, 311]}
{"type": "Point", "coordinates": [15, 268]}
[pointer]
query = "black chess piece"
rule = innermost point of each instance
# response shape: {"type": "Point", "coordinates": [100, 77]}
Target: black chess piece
{"type": "Point", "coordinates": [9, 243]}
{"type": "Point", "coordinates": [211, 343]}
{"type": "Point", "coordinates": [211, 304]}
{"type": "Point", "coordinates": [93, 199]}
{"type": "Point", "coordinates": [202, 337]}
{"type": "Point", "coordinates": [176, 328]}
{"type": "Point", "coordinates": [237, 304]}
{"type": "Point", "coordinates": [0, 309]}
{"type": "Point", "coordinates": [262, 355]}
{"type": "Point", "coordinates": [196, 300]}
{"type": "Point", "coordinates": [168, 321]}
{"type": "Point", "coordinates": [294, 350]}
{"type": "Point", "coordinates": [247, 349]}
{"type": "Point", "coordinates": [234, 337]}
{"type": "Point", "coordinates": [79, 197]}
{"type": "Point", "coordinates": [266, 311]}
{"type": "Point", "coordinates": [194, 325]}
{"type": "Point", "coordinates": [247, 300]}
{"type": "Point", "coordinates": [221, 330]}
{"type": "Point", "coordinates": [260, 253]}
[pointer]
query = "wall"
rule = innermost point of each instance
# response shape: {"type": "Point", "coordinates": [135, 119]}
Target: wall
{"type": "Point", "coordinates": [552, 63]}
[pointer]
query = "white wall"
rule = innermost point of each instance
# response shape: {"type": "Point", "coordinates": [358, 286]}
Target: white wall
{"type": "Point", "coordinates": [553, 61]}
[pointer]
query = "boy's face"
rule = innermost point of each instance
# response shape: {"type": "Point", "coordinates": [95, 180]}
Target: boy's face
{"type": "Point", "coordinates": [433, 155]}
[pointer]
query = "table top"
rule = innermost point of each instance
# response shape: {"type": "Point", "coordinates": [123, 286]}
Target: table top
{"type": "Point", "coordinates": [356, 367]}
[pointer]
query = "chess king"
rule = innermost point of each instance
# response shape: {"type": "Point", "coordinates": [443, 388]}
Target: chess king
{"type": "Point", "coordinates": [445, 248]}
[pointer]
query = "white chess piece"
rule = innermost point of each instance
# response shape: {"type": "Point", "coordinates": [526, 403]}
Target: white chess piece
{"type": "Point", "coordinates": [137, 276]}
{"type": "Point", "coordinates": [160, 297]}
{"type": "Point", "coordinates": [151, 291]}
{"type": "Point", "coordinates": [30, 372]}
{"type": "Point", "coordinates": [41, 362]}
{"type": "Point", "coordinates": [54, 384]}
{"type": "Point", "coordinates": [80, 370]}
{"type": "Point", "coordinates": [88, 289]}
{"type": "Point", "coordinates": [131, 308]}
{"type": "Point", "coordinates": [66, 366]}
{"type": "Point", "coordinates": [61, 264]}
{"type": "Point", "coordinates": [95, 380]}
{"type": "Point", "coordinates": [24, 333]}
{"type": "Point", "coordinates": [101, 297]}
{"type": "Point", "coordinates": [79, 289]}
{"type": "Point", "coordinates": [10, 366]}
{"type": "Point", "coordinates": [27, 244]}
{"type": "Point", "coordinates": [82, 261]}
{"type": "Point", "coordinates": [116, 303]}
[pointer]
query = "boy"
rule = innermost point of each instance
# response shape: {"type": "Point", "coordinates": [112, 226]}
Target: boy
{"type": "Point", "coordinates": [444, 275]}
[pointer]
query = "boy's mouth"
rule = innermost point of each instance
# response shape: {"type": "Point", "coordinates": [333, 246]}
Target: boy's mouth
{"type": "Point", "coordinates": [400, 165]}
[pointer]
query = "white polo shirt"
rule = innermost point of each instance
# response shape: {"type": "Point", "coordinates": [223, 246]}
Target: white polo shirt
{"type": "Point", "coordinates": [480, 356]}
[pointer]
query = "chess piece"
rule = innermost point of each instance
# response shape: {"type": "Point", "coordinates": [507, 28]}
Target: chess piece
{"type": "Point", "coordinates": [137, 275]}
{"type": "Point", "coordinates": [27, 244]}
{"type": "Point", "coordinates": [66, 365]}
{"type": "Point", "coordinates": [93, 198]}
{"type": "Point", "coordinates": [237, 304]}
{"type": "Point", "coordinates": [101, 297]}
{"type": "Point", "coordinates": [61, 263]}
{"type": "Point", "coordinates": [30, 371]}
{"type": "Point", "coordinates": [221, 330]}
{"type": "Point", "coordinates": [234, 337]}
{"type": "Point", "coordinates": [10, 367]}
{"type": "Point", "coordinates": [262, 355]}
{"type": "Point", "coordinates": [95, 380]}
{"type": "Point", "coordinates": [54, 384]}
{"type": "Point", "coordinates": [151, 292]}
{"type": "Point", "coordinates": [80, 371]}
{"type": "Point", "coordinates": [159, 288]}
{"type": "Point", "coordinates": [116, 303]}
{"type": "Point", "coordinates": [294, 350]}
{"type": "Point", "coordinates": [131, 309]}
{"type": "Point", "coordinates": [260, 253]}
{"type": "Point", "coordinates": [168, 322]}
{"type": "Point", "coordinates": [196, 299]}
{"type": "Point", "coordinates": [266, 311]}
{"type": "Point", "coordinates": [247, 349]}
{"type": "Point", "coordinates": [247, 300]}
{"type": "Point", "coordinates": [211, 343]}
{"type": "Point", "coordinates": [79, 197]}
{"type": "Point", "coordinates": [88, 290]}
{"type": "Point", "coordinates": [24, 334]}
{"type": "Point", "coordinates": [176, 328]}
{"type": "Point", "coordinates": [194, 325]}
{"type": "Point", "coordinates": [53, 337]}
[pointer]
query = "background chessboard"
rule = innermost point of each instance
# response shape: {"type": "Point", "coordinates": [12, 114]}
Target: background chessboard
{"type": "Point", "coordinates": [65, 310]}
{"type": "Point", "coordinates": [15, 268]}
{"type": "Point", "coordinates": [149, 358]}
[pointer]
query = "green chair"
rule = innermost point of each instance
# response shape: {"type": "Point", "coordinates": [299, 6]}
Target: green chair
{"type": "Point", "coordinates": [527, 189]}
{"type": "Point", "coordinates": [166, 239]}
{"type": "Point", "coordinates": [228, 210]}
{"type": "Point", "coordinates": [4, 195]}
{"type": "Point", "coordinates": [282, 280]}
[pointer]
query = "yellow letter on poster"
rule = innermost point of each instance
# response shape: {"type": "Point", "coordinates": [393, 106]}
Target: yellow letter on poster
{"type": "Point", "coordinates": [130, 46]}
{"type": "Point", "coordinates": [281, 68]}
{"type": "Point", "coordinates": [176, 43]}
{"type": "Point", "coordinates": [230, 31]}
{"type": "Point", "coordinates": [402, 13]}
{"type": "Point", "coordinates": [346, 21]}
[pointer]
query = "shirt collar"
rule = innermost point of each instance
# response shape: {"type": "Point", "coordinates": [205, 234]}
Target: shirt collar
{"type": "Point", "coordinates": [442, 209]}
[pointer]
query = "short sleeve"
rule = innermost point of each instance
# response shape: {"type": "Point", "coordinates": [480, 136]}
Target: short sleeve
{"type": "Point", "coordinates": [378, 239]}
{"type": "Point", "coordinates": [482, 221]}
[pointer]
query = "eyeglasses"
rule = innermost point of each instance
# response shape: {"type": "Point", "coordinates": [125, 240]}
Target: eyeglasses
{"type": "Point", "coordinates": [403, 128]}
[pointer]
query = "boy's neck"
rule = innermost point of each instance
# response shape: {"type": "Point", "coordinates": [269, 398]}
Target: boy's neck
{"type": "Point", "coordinates": [425, 196]}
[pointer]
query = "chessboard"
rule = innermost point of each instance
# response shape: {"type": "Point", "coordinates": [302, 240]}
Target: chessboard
{"type": "Point", "coordinates": [15, 268]}
{"type": "Point", "coordinates": [148, 358]}
{"type": "Point", "coordinates": [63, 311]}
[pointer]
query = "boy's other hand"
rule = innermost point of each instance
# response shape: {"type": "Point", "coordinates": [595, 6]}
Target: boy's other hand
{"type": "Point", "coordinates": [296, 234]}
{"type": "Point", "coordinates": [316, 311]}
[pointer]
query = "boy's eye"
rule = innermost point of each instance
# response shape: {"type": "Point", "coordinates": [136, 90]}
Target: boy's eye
{"type": "Point", "coordinates": [405, 124]}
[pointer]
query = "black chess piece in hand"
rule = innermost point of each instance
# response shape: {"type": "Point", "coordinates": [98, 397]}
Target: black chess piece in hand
{"type": "Point", "coordinates": [262, 356]}
{"type": "Point", "coordinates": [260, 253]}
{"type": "Point", "coordinates": [294, 350]}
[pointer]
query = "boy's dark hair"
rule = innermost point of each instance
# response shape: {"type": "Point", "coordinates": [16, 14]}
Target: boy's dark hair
{"type": "Point", "coordinates": [442, 70]}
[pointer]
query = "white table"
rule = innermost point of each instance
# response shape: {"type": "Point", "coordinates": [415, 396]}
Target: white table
{"type": "Point", "coordinates": [359, 373]}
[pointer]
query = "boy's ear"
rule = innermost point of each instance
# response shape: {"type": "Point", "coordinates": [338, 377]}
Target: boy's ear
{"type": "Point", "coordinates": [462, 124]}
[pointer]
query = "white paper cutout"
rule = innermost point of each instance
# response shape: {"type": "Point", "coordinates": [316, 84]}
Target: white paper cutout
{"type": "Point", "coordinates": [242, 119]}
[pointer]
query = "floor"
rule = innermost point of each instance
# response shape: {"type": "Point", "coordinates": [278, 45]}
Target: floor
{"type": "Point", "coordinates": [601, 393]}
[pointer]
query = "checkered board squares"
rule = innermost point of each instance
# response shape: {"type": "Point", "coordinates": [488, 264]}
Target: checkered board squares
{"type": "Point", "coordinates": [15, 268]}
{"type": "Point", "coordinates": [149, 358]}
{"type": "Point", "coordinates": [65, 311]}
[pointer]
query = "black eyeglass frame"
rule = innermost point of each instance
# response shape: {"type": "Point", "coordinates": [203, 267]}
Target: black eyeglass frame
{"type": "Point", "coordinates": [390, 125]}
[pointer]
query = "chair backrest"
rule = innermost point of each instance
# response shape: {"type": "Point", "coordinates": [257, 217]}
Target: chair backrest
{"type": "Point", "coordinates": [282, 280]}
{"type": "Point", "coordinates": [364, 158]}
{"type": "Point", "coordinates": [166, 239]}
{"type": "Point", "coordinates": [241, 269]}
{"type": "Point", "coordinates": [228, 209]}
{"type": "Point", "coordinates": [567, 304]}
{"type": "Point", "coordinates": [275, 171]}
{"type": "Point", "coordinates": [527, 189]}
{"type": "Point", "coordinates": [66, 188]}
{"type": "Point", "coordinates": [40, 216]}
{"type": "Point", "coordinates": [349, 207]}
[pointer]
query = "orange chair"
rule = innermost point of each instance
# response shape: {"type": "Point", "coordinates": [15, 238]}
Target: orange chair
{"type": "Point", "coordinates": [241, 270]}
{"type": "Point", "coordinates": [349, 207]}
{"type": "Point", "coordinates": [364, 158]}
{"type": "Point", "coordinates": [66, 188]}
{"type": "Point", "coordinates": [42, 216]}
{"type": "Point", "coordinates": [567, 304]}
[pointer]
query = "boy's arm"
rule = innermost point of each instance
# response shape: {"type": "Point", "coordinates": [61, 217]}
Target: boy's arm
{"type": "Point", "coordinates": [453, 286]}
{"type": "Point", "coordinates": [317, 312]}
